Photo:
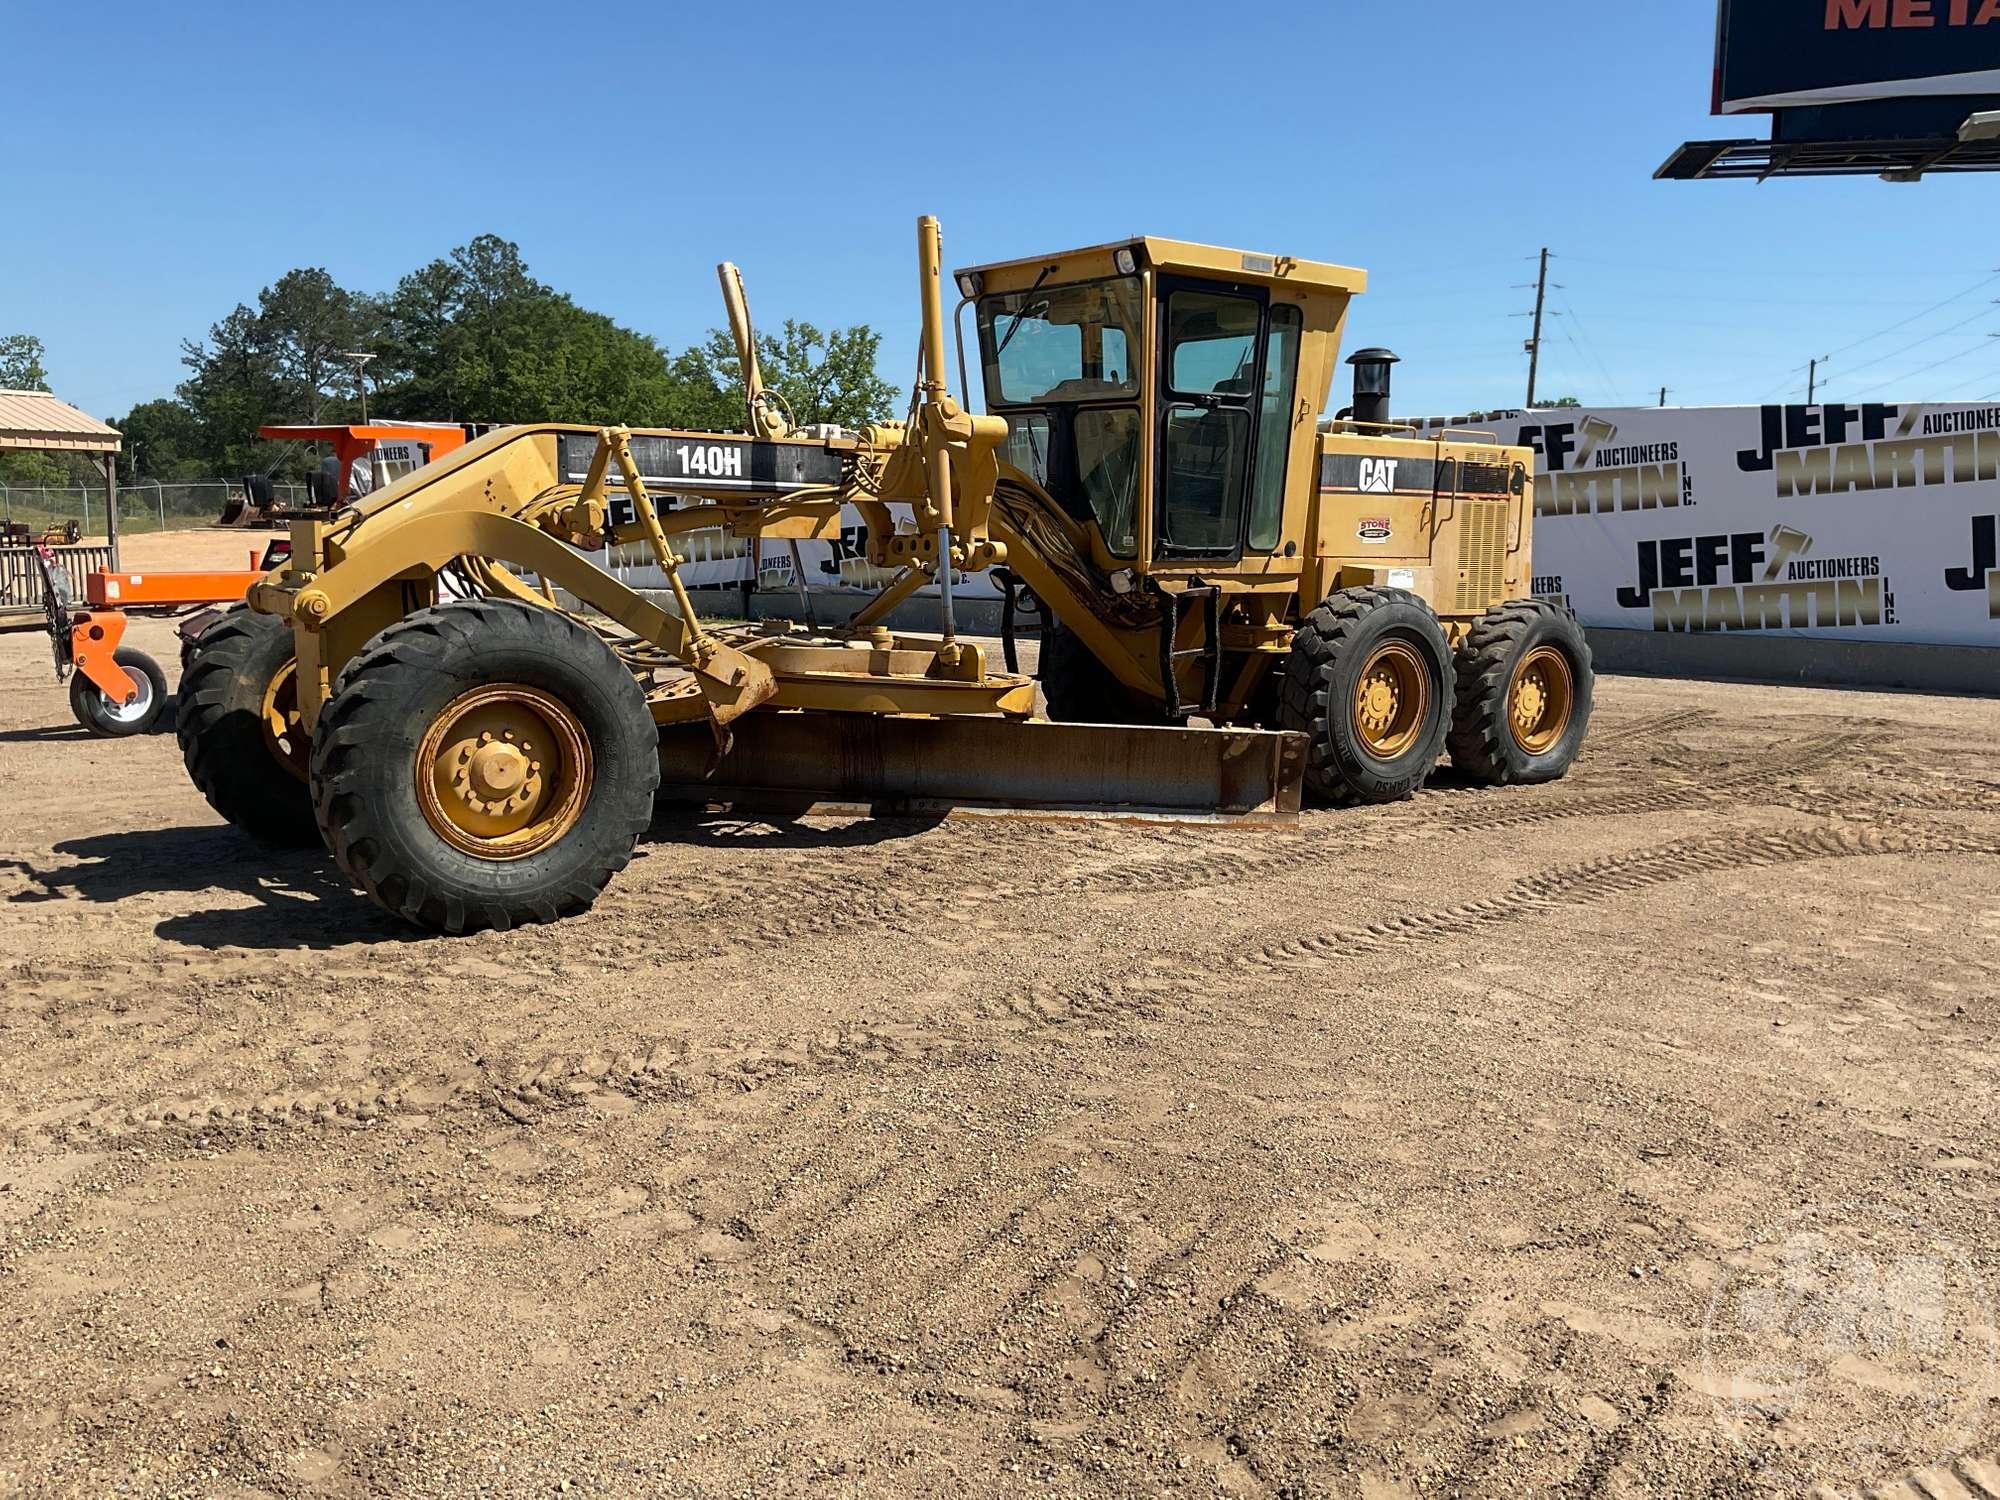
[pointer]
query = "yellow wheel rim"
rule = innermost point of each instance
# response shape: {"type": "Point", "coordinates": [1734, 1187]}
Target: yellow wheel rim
{"type": "Point", "coordinates": [1392, 699]}
{"type": "Point", "coordinates": [1540, 700]}
{"type": "Point", "coordinates": [284, 731]}
{"type": "Point", "coordinates": [504, 771]}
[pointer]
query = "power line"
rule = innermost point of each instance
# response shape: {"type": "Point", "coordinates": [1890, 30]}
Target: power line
{"type": "Point", "coordinates": [1739, 272]}
{"type": "Point", "coordinates": [1869, 364]}
{"type": "Point", "coordinates": [1583, 333]}
{"type": "Point", "coordinates": [1914, 317]}
{"type": "Point", "coordinates": [1891, 328]}
{"type": "Point", "coordinates": [1913, 374]}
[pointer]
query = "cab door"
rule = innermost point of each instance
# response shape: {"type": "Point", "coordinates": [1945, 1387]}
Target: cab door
{"type": "Point", "coordinates": [1228, 377]}
{"type": "Point", "coordinates": [1211, 362]}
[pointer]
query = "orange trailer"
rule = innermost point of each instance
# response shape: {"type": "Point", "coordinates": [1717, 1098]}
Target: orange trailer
{"type": "Point", "coordinates": [118, 689]}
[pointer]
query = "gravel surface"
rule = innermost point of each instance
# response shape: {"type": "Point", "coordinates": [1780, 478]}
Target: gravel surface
{"type": "Point", "coordinates": [1628, 1136]}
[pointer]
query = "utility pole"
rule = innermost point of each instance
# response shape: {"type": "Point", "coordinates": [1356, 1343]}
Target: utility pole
{"type": "Point", "coordinates": [1663, 395]}
{"type": "Point", "coordinates": [360, 361]}
{"type": "Point", "coordinates": [1535, 341]}
{"type": "Point", "coordinates": [1812, 376]}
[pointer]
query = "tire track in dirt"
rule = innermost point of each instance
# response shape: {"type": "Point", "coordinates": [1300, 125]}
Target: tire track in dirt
{"type": "Point", "coordinates": [1600, 879]}
{"type": "Point", "coordinates": [886, 900]}
{"type": "Point", "coordinates": [1953, 1479]}
{"type": "Point", "coordinates": [1457, 810]}
{"type": "Point", "coordinates": [554, 1081]}
{"type": "Point", "coordinates": [1467, 809]}
{"type": "Point", "coordinates": [563, 1080]}
{"type": "Point", "coordinates": [568, 1079]}
{"type": "Point", "coordinates": [1652, 727]}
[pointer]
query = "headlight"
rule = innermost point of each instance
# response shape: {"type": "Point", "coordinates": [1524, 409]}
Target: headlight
{"type": "Point", "coordinates": [969, 283]}
{"type": "Point", "coordinates": [1126, 261]}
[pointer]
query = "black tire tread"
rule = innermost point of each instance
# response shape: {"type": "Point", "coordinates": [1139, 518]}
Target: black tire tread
{"type": "Point", "coordinates": [1322, 639]}
{"type": "Point", "coordinates": [1484, 665]}
{"type": "Point", "coordinates": [349, 822]}
{"type": "Point", "coordinates": [1077, 688]}
{"type": "Point", "coordinates": [255, 794]}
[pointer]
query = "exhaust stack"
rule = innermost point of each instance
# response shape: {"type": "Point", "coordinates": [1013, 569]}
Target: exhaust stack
{"type": "Point", "coordinates": [1371, 385]}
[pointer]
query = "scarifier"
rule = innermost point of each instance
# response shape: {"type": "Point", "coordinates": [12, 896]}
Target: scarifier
{"type": "Point", "coordinates": [476, 719]}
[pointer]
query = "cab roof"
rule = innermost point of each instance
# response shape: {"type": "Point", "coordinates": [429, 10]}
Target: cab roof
{"type": "Point", "coordinates": [1194, 259]}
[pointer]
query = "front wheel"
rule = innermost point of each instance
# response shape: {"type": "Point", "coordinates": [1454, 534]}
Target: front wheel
{"type": "Point", "coordinates": [1524, 693]}
{"type": "Point", "coordinates": [484, 763]}
{"type": "Point", "coordinates": [1077, 688]}
{"type": "Point", "coordinates": [109, 720]}
{"type": "Point", "coordinates": [1368, 684]}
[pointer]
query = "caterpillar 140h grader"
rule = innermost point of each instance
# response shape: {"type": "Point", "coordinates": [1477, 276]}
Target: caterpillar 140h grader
{"type": "Point", "coordinates": [1339, 603]}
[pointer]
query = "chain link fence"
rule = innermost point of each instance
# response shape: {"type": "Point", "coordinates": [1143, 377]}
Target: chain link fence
{"type": "Point", "coordinates": [145, 506]}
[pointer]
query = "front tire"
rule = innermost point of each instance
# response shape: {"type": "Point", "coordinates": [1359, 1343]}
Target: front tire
{"type": "Point", "coordinates": [484, 763]}
{"type": "Point", "coordinates": [109, 720]}
{"type": "Point", "coordinates": [238, 722]}
{"type": "Point", "coordinates": [1368, 684]}
{"type": "Point", "coordinates": [1524, 694]}
{"type": "Point", "coordinates": [1077, 688]}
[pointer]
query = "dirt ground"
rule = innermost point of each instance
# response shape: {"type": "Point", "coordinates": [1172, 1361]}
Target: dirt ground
{"type": "Point", "coordinates": [1628, 1136]}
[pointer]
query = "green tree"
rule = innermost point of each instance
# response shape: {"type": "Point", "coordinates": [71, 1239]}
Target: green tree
{"type": "Point", "coordinates": [471, 336]}
{"type": "Point", "coordinates": [475, 337]}
{"type": "Point", "coordinates": [821, 377]}
{"type": "Point", "coordinates": [21, 356]}
{"type": "Point", "coordinates": [306, 321]}
{"type": "Point", "coordinates": [164, 440]}
{"type": "Point", "coordinates": [232, 388]}
{"type": "Point", "coordinates": [277, 362]}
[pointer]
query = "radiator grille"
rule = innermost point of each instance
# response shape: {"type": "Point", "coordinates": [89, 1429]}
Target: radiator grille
{"type": "Point", "coordinates": [1482, 552]}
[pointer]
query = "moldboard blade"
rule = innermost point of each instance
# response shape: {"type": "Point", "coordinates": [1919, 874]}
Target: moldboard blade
{"type": "Point", "coordinates": [885, 765]}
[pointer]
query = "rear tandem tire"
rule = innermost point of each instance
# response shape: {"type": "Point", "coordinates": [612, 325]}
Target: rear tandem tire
{"type": "Point", "coordinates": [484, 763]}
{"type": "Point", "coordinates": [1368, 683]}
{"type": "Point", "coordinates": [1524, 694]}
{"type": "Point", "coordinates": [252, 778]}
{"type": "Point", "coordinates": [109, 720]}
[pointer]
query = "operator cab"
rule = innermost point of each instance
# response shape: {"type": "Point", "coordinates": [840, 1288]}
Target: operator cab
{"type": "Point", "coordinates": [1163, 393]}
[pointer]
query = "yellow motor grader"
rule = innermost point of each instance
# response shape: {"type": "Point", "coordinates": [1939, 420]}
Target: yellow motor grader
{"type": "Point", "coordinates": [476, 718]}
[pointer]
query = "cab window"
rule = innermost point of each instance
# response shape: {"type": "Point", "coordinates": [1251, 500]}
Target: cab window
{"type": "Point", "coordinates": [1061, 343]}
{"type": "Point", "coordinates": [1211, 378]}
{"type": "Point", "coordinates": [1274, 426]}
{"type": "Point", "coordinates": [1214, 340]}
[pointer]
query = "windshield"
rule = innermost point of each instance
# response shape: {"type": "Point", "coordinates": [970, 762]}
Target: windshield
{"type": "Point", "coordinates": [1077, 342]}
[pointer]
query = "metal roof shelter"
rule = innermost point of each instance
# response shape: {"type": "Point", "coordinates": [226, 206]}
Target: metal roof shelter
{"type": "Point", "coordinates": [37, 422]}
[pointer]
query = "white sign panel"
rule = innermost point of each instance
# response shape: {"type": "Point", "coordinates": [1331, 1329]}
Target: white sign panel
{"type": "Point", "coordinates": [1868, 522]}
{"type": "Point", "coordinates": [718, 560]}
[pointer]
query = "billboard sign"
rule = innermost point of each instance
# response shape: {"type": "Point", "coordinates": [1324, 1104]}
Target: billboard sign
{"type": "Point", "coordinates": [1777, 54]}
{"type": "Point", "coordinates": [1869, 522]}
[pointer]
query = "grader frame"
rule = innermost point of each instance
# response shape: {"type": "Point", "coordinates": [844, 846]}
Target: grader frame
{"type": "Point", "coordinates": [1211, 549]}
{"type": "Point", "coordinates": [512, 503]}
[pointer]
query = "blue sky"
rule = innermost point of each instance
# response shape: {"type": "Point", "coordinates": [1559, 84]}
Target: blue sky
{"type": "Point", "coordinates": [179, 158]}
